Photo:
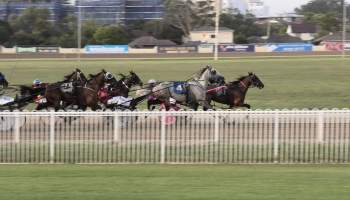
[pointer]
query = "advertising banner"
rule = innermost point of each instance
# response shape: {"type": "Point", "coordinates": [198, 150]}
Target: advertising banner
{"type": "Point", "coordinates": [26, 49]}
{"type": "Point", "coordinates": [178, 49]}
{"type": "Point", "coordinates": [107, 49]}
{"type": "Point", "coordinates": [48, 49]}
{"type": "Point", "coordinates": [290, 47]}
{"type": "Point", "coordinates": [236, 48]}
{"type": "Point", "coordinates": [337, 46]}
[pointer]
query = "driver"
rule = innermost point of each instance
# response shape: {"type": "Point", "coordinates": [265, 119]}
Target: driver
{"type": "Point", "coordinates": [36, 83]}
{"type": "Point", "coordinates": [152, 83]}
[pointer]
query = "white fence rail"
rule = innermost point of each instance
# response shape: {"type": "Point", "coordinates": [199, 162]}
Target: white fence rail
{"type": "Point", "coordinates": [176, 137]}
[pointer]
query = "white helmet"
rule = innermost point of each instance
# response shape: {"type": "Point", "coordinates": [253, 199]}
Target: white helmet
{"type": "Point", "coordinates": [109, 76]}
{"type": "Point", "coordinates": [152, 81]}
{"type": "Point", "coordinates": [172, 101]}
{"type": "Point", "coordinates": [36, 82]}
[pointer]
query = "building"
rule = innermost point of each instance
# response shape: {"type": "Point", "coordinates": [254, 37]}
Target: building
{"type": "Point", "coordinates": [305, 32]}
{"type": "Point", "coordinates": [120, 11]}
{"type": "Point", "coordinates": [257, 8]}
{"type": "Point", "coordinates": [232, 5]}
{"type": "Point", "coordinates": [15, 8]}
{"type": "Point", "coordinates": [143, 10]}
{"type": "Point", "coordinates": [101, 11]}
{"type": "Point", "coordinates": [206, 34]}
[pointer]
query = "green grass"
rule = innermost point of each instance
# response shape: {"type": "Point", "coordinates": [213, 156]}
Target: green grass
{"type": "Point", "coordinates": [245, 182]}
{"type": "Point", "coordinates": [290, 83]}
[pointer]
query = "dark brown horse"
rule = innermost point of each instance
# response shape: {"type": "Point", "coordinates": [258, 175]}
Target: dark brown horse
{"type": "Point", "coordinates": [62, 94]}
{"type": "Point", "coordinates": [234, 93]}
{"type": "Point", "coordinates": [88, 94]}
{"type": "Point", "coordinates": [123, 86]}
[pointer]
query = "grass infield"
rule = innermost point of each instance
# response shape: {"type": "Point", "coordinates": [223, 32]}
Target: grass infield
{"type": "Point", "coordinates": [289, 82]}
{"type": "Point", "coordinates": [244, 182]}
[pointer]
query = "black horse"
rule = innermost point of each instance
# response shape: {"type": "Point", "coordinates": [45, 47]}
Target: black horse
{"type": "Point", "coordinates": [122, 88]}
{"type": "Point", "coordinates": [234, 93]}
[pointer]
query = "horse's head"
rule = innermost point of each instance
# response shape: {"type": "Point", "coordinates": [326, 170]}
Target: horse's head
{"type": "Point", "coordinates": [210, 75]}
{"type": "Point", "coordinates": [255, 81]}
{"type": "Point", "coordinates": [99, 79]}
{"type": "Point", "coordinates": [76, 76]}
{"type": "Point", "coordinates": [134, 79]}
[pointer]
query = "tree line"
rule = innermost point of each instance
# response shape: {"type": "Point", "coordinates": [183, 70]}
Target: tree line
{"type": "Point", "coordinates": [33, 27]}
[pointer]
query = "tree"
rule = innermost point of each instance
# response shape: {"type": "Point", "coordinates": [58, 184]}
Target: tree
{"type": "Point", "coordinates": [186, 15]}
{"type": "Point", "coordinates": [89, 28]}
{"type": "Point", "coordinates": [32, 27]}
{"type": "Point", "coordinates": [162, 30]}
{"type": "Point", "coordinates": [327, 14]}
{"type": "Point", "coordinates": [5, 33]}
{"type": "Point", "coordinates": [111, 35]}
{"type": "Point", "coordinates": [243, 25]}
{"type": "Point", "coordinates": [68, 32]}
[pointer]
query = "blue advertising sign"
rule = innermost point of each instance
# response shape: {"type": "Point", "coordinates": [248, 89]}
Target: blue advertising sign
{"type": "Point", "coordinates": [236, 48]}
{"type": "Point", "coordinates": [290, 47]}
{"type": "Point", "coordinates": [106, 48]}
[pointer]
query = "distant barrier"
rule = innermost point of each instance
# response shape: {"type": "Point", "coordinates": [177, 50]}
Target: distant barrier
{"type": "Point", "coordinates": [176, 137]}
{"type": "Point", "coordinates": [202, 48]}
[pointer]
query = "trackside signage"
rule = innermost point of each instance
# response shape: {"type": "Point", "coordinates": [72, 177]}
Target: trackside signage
{"type": "Point", "coordinates": [290, 47]}
{"type": "Point", "coordinates": [237, 48]}
{"type": "Point", "coordinates": [106, 49]}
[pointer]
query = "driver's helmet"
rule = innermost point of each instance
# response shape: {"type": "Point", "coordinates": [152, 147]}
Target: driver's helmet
{"type": "Point", "coordinates": [152, 81]}
{"type": "Point", "coordinates": [36, 82]}
{"type": "Point", "coordinates": [172, 101]}
{"type": "Point", "coordinates": [109, 76]}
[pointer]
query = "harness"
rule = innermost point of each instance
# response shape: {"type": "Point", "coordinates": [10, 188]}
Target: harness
{"type": "Point", "coordinates": [243, 85]}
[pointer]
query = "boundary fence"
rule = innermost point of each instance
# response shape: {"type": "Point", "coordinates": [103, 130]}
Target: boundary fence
{"type": "Point", "coordinates": [186, 137]}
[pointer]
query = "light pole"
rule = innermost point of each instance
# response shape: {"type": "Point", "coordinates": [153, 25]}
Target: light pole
{"type": "Point", "coordinates": [344, 28]}
{"type": "Point", "coordinates": [79, 29]}
{"type": "Point", "coordinates": [217, 24]}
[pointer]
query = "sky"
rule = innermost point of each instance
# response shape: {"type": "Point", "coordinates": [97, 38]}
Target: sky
{"type": "Point", "coordinates": [282, 6]}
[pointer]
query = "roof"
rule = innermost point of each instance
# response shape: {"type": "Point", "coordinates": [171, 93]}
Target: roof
{"type": "Point", "coordinates": [338, 36]}
{"type": "Point", "coordinates": [149, 41]}
{"type": "Point", "coordinates": [210, 29]}
{"type": "Point", "coordinates": [303, 28]}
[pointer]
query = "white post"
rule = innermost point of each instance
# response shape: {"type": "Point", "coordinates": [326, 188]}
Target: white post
{"type": "Point", "coordinates": [216, 128]}
{"type": "Point", "coordinates": [344, 27]}
{"type": "Point", "coordinates": [276, 138]}
{"type": "Point", "coordinates": [162, 138]}
{"type": "Point", "coordinates": [16, 128]}
{"type": "Point", "coordinates": [52, 137]}
{"type": "Point", "coordinates": [79, 30]}
{"type": "Point", "coordinates": [320, 127]}
{"type": "Point", "coordinates": [217, 25]}
{"type": "Point", "coordinates": [116, 126]}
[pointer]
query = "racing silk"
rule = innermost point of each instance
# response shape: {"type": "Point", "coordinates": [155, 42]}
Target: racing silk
{"type": "Point", "coordinates": [2, 77]}
{"type": "Point", "coordinates": [103, 95]}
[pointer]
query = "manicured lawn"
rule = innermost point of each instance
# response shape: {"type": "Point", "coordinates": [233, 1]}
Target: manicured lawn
{"type": "Point", "coordinates": [289, 83]}
{"type": "Point", "coordinates": [270, 182]}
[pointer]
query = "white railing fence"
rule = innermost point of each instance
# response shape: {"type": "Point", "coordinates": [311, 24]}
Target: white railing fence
{"type": "Point", "coordinates": [319, 136]}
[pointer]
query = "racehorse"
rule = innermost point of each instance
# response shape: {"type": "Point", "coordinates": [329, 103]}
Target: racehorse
{"type": "Point", "coordinates": [87, 95]}
{"type": "Point", "coordinates": [234, 93]}
{"type": "Point", "coordinates": [191, 93]}
{"type": "Point", "coordinates": [119, 88]}
{"type": "Point", "coordinates": [62, 94]}
{"type": "Point", "coordinates": [122, 87]}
